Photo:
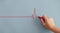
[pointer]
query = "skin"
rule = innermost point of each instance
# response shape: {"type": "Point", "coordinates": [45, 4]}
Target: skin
{"type": "Point", "coordinates": [49, 23]}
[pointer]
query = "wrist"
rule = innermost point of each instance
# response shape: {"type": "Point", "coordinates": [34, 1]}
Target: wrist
{"type": "Point", "coordinates": [56, 29]}
{"type": "Point", "coordinates": [53, 28]}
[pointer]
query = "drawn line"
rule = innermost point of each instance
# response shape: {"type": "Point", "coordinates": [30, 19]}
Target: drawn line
{"type": "Point", "coordinates": [34, 13]}
{"type": "Point", "coordinates": [15, 16]}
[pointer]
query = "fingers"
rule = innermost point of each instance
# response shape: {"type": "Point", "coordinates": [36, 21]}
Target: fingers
{"type": "Point", "coordinates": [42, 21]}
{"type": "Point", "coordinates": [44, 17]}
{"type": "Point", "coordinates": [39, 17]}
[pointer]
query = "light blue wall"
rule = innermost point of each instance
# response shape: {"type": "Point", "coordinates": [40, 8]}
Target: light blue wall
{"type": "Point", "coordinates": [25, 8]}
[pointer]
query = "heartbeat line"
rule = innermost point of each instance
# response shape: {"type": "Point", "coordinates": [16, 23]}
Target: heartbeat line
{"type": "Point", "coordinates": [34, 13]}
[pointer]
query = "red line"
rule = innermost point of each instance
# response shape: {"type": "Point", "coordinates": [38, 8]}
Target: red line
{"type": "Point", "coordinates": [15, 16]}
{"type": "Point", "coordinates": [34, 13]}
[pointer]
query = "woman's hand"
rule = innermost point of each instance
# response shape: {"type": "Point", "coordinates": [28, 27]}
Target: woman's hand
{"type": "Point", "coordinates": [49, 23]}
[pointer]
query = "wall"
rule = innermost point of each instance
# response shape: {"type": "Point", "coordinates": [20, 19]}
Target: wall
{"type": "Point", "coordinates": [9, 8]}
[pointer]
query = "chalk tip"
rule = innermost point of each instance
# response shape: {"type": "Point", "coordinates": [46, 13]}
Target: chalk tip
{"type": "Point", "coordinates": [39, 17]}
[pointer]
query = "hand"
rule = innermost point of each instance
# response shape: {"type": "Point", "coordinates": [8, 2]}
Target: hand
{"type": "Point", "coordinates": [47, 22]}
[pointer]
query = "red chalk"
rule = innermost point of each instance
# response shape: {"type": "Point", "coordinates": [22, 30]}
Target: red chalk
{"type": "Point", "coordinates": [39, 17]}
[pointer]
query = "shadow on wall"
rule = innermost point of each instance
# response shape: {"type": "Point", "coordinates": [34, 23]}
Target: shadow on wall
{"type": "Point", "coordinates": [40, 27]}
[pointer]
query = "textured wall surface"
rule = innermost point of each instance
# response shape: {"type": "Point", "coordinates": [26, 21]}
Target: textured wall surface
{"type": "Point", "coordinates": [26, 8]}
